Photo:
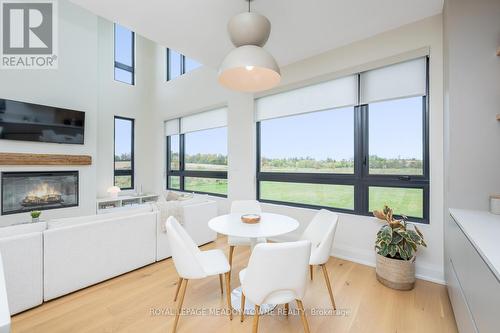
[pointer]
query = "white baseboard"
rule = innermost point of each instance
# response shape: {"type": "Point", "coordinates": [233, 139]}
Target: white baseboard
{"type": "Point", "coordinates": [366, 257]}
{"type": "Point", "coordinates": [424, 271]}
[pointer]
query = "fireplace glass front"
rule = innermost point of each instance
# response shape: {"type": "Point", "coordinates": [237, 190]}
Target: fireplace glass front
{"type": "Point", "coordinates": [28, 191]}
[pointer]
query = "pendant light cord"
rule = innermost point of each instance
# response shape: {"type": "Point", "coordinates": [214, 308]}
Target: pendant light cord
{"type": "Point", "coordinates": [249, 5]}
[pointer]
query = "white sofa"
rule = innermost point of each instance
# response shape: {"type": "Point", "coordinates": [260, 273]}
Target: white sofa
{"type": "Point", "coordinates": [82, 251]}
{"type": "Point", "coordinates": [4, 305]}
{"type": "Point", "coordinates": [43, 261]}
{"type": "Point", "coordinates": [22, 252]}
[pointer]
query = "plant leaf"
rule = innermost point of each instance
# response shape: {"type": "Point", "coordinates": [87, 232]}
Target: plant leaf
{"type": "Point", "coordinates": [392, 250]}
{"type": "Point", "coordinates": [414, 236]}
{"type": "Point", "coordinates": [384, 250]}
{"type": "Point", "coordinates": [378, 214]}
{"type": "Point", "coordinates": [402, 252]}
{"type": "Point", "coordinates": [408, 249]}
{"type": "Point", "coordinates": [386, 234]}
{"type": "Point", "coordinates": [396, 237]}
{"type": "Point", "coordinates": [418, 232]}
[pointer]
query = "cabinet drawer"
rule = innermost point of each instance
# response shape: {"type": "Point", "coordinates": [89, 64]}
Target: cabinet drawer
{"type": "Point", "coordinates": [461, 310]}
{"type": "Point", "coordinates": [479, 285]}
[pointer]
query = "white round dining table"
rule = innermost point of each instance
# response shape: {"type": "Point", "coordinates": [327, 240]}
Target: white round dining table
{"type": "Point", "coordinates": [270, 225]}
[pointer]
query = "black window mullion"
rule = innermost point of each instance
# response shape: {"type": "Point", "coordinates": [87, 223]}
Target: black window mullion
{"type": "Point", "coordinates": [258, 160]}
{"type": "Point", "coordinates": [181, 160]}
{"type": "Point", "coordinates": [167, 161]}
{"type": "Point", "coordinates": [311, 178]}
{"type": "Point", "coordinates": [168, 63]}
{"type": "Point", "coordinates": [124, 67]}
{"type": "Point", "coordinates": [133, 58]}
{"type": "Point", "coordinates": [183, 64]}
{"type": "Point", "coordinates": [359, 199]}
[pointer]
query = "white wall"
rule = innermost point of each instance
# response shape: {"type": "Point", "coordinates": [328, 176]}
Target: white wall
{"type": "Point", "coordinates": [72, 85]}
{"type": "Point", "coordinates": [120, 99]}
{"type": "Point", "coordinates": [472, 89]}
{"type": "Point", "coordinates": [84, 81]}
{"type": "Point", "coordinates": [199, 90]}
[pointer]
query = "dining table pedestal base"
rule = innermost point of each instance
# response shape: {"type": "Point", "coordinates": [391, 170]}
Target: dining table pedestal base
{"type": "Point", "coordinates": [249, 306]}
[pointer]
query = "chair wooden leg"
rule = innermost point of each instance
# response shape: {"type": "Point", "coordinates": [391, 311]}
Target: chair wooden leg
{"type": "Point", "coordinates": [327, 280]}
{"type": "Point", "coordinates": [178, 287]}
{"type": "Point", "coordinates": [242, 307]}
{"type": "Point", "coordinates": [221, 287]}
{"type": "Point", "coordinates": [256, 319]}
{"type": "Point", "coordinates": [228, 296]}
{"type": "Point", "coordinates": [231, 250]}
{"type": "Point", "coordinates": [311, 271]}
{"type": "Point", "coordinates": [287, 309]}
{"type": "Point", "coordinates": [179, 306]}
{"type": "Point", "coordinates": [303, 316]}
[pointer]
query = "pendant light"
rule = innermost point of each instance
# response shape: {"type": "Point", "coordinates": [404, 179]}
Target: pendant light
{"type": "Point", "coordinates": [249, 68]}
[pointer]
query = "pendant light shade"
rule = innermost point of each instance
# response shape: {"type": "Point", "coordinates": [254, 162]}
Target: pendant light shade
{"type": "Point", "coordinates": [249, 29]}
{"type": "Point", "coordinates": [249, 68]}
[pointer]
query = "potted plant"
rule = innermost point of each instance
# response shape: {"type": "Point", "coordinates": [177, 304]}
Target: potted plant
{"type": "Point", "coordinates": [35, 215]}
{"type": "Point", "coordinates": [396, 247]}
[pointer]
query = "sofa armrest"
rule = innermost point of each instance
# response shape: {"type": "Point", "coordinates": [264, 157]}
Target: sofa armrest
{"type": "Point", "coordinates": [23, 270]}
{"type": "Point", "coordinates": [4, 306]}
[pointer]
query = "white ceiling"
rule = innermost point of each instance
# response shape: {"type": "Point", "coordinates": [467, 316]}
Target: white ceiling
{"type": "Point", "coordinates": [300, 28]}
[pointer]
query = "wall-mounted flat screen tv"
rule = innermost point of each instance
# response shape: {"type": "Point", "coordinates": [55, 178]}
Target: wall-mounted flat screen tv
{"type": "Point", "coordinates": [33, 122]}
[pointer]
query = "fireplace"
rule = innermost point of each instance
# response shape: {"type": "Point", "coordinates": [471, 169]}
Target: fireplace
{"type": "Point", "coordinates": [27, 191]}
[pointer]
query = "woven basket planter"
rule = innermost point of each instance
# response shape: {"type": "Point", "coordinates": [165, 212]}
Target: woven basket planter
{"type": "Point", "coordinates": [396, 274]}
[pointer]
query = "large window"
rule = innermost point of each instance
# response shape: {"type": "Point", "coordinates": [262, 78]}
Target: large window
{"type": "Point", "coordinates": [124, 153]}
{"type": "Point", "coordinates": [197, 153]}
{"type": "Point", "coordinates": [178, 64]}
{"type": "Point", "coordinates": [366, 145]}
{"type": "Point", "coordinates": [124, 55]}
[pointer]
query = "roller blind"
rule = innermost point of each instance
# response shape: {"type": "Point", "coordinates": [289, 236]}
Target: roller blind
{"type": "Point", "coordinates": [172, 127]}
{"type": "Point", "coordinates": [326, 95]}
{"type": "Point", "coordinates": [204, 120]}
{"type": "Point", "coordinates": [406, 79]}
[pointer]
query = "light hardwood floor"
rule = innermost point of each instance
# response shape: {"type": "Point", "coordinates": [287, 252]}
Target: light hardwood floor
{"type": "Point", "coordinates": [127, 304]}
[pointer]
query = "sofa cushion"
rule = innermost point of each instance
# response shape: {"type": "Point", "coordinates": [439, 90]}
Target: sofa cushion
{"type": "Point", "coordinates": [21, 229]}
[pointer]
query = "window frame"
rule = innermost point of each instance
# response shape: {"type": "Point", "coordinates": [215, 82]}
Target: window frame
{"type": "Point", "coordinates": [361, 179]}
{"type": "Point", "coordinates": [122, 66]}
{"type": "Point", "coordinates": [182, 173]}
{"type": "Point", "coordinates": [182, 65]}
{"type": "Point", "coordinates": [132, 155]}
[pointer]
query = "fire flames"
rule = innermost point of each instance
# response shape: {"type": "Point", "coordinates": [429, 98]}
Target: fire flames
{"type": "Point", "coordinates": [42, 194]}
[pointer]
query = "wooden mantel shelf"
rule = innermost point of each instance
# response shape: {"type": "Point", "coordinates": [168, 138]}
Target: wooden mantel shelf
{"type": "Point", "coordinates": [43, 159]}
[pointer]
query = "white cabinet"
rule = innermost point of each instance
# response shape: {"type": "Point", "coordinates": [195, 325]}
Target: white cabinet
{"type": "Point", "coordinates": [471, 253]}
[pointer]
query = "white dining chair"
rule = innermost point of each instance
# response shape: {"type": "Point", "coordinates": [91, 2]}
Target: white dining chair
{"type": "Point", "coordinates": [276, 274]}
{"type": "Point", "coordinates": [191, 263]}
{"type": "Point", "coordinates": [243, 207]}
{"type": "Point", "coordinates": [321, 232]}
